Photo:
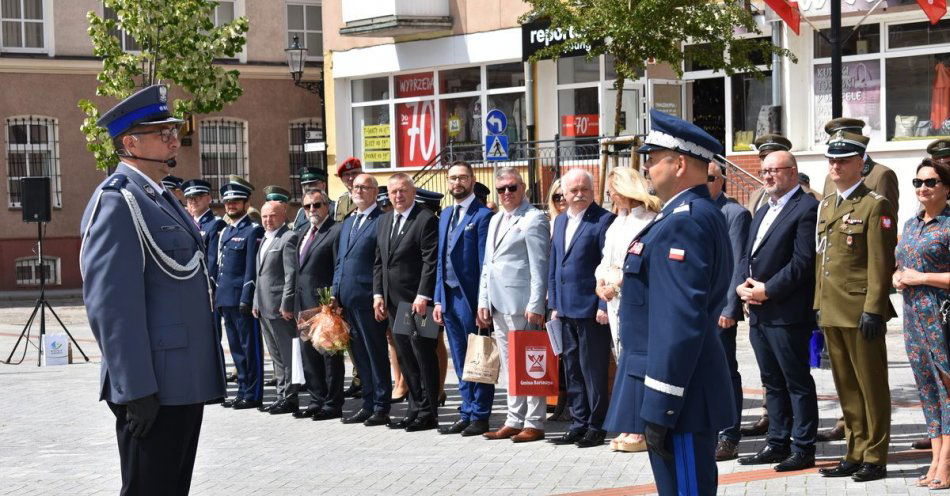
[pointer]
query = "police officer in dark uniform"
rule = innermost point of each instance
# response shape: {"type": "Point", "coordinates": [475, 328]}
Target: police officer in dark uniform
{"type": "Point", "coordinates": [236, 261]}
{"type": "Point", "coordinates": [173, 184]}
{"type": "Point", "coordinates": [146, 293]}
{"type": "Point", "coordinates": [672, 380]}
{"type": "Point", "coordinates": [198, 202]}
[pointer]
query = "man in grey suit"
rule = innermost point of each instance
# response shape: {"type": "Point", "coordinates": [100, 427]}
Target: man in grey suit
{"type": "Point", "coordinates": [275, 298]}
{"type": "Point", "coordinates": [512, 291]}
{"type": "Point", "coordinates": [738, 219]}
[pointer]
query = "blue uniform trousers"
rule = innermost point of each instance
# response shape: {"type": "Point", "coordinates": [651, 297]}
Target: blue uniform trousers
{"type": "Point", "coordinates": [692, 469]}
{"type": "Point", "coordinates": [371, 352]}
{"type": "Point", "coordinates": [782, 354]}
{"type": "Point", "coordinates": [459, 320]}
{"type": "Point", "coordinates": [728, 339]}
{"type": "Point", "coordinates": [244, 340]}
{"type": "Point", "coordinates": [585, 357]}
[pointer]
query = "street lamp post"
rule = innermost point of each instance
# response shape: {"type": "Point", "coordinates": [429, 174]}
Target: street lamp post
{"type": "Point", "coordinates": [296, 60]}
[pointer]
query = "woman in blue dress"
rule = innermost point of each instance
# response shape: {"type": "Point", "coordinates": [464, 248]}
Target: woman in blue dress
{"type": "Point", "coordinates": [923, 276]}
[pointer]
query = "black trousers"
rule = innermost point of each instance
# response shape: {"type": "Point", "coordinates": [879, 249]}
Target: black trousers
{"type": "Point", "coordinates": [585, 358]}
{"type": "Point", "coordinates": [420, 368]}
{"type": "Point", "coordinates": [782, 354]}
{"type": "Point", "coordinates": [161, 462]}
{"type": "Point", "coordinates": [324, 377]}
{"type": "Point", "coordinates": [727, 336]}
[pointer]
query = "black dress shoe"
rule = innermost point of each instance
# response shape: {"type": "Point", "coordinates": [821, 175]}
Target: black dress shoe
{"type": "Point", "coordinates": [358, 417]}
{"type": "Point", "coordinates": [570, 437]}
{"type": "Point", "coordinates": [284, 407]}
{"type": "Point", "coordinates": [246, 404]}
{"type": "Point", "coordinates": [309, 412]}
{"type": "Point", "coordinates": [842, 469]}
{"type": "Point", "coordinates": [327, 415]}
{"type": "Point", "coordinates": [423, 425]}
{"type": "Point", "coordinates": [476, 428]}
{"type": "Point", "coordinates": [271, 383]}
{"type": "Point", "coordinates": [456, 428]}
{"type": "Point", "coordinates": [270, 406]}
{"type": "Point", "coordinates": [215, 401]}
{"type": "Point", "coordinates": [758, 428]}
{"type": "Point", "coordinates": [231, 378]}
{"type": "Point", "coordinates": [402, 424]}
{"type": "Point", "coordinates": [377, 418]}
{"type": "Point", "coordinates": [796, 461]}
{"type": "Point", "coordinates": [768, 454]}
{"type": "Point", "coordinates": [869, 472]}
{"type": "Point", "coordinates": [354, 391]}
{"type": "Point", "coordinates": [591, 438]}
{"type": "Point", "coordinates": [230, 403]}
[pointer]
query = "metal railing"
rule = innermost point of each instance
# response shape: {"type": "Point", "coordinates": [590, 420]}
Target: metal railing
{"type": "Point", "coordinates": [740, 184]}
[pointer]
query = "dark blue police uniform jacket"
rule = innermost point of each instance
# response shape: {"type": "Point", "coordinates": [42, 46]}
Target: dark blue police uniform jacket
{"type": "Point", "coordinates": [156, 332]}
{"type": "Point", "coordinates": [673, 370]}
{"type": "Point", "coordinates": [210, 226]}
{"type": "Point", "coordinates": [237, 256]}
{"type": "Point", "coordinates": [571, 280]}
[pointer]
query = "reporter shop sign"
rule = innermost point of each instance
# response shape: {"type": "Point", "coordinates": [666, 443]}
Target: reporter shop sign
{"type": "Point", "coordinates": [538, 34]}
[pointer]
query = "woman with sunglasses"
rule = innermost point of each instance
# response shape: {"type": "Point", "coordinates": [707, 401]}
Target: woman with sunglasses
{"type": "Point", "coordinates": [556, 202]}
{"type": "Point", "coordinates": [635, 208]}
{"type": "Point", "coordinates": [923, 277]}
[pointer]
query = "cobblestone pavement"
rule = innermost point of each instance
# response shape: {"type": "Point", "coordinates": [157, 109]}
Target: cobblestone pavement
{"type": "Point", "coordinates": [55, 438]}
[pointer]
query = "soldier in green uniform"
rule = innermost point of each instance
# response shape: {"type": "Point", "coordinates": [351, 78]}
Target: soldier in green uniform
{"type": "Point", "coordinates": [856, 239]}
{"type": "Point", "coordinates": [877, 177]}
{"type": "Point", "coordinates": [347, 172]}
{"type": "Point", "coordinates": [939, 150]}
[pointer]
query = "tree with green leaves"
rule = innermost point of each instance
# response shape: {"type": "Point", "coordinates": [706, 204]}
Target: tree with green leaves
{"type": "Point", "coordinates": [177, 43]}
{"type": "Point", "coordinates": [634, 31]}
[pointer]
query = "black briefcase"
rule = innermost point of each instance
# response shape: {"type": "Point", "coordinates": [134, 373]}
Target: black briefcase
{"type": "Point", "coordinates": [410, 324]}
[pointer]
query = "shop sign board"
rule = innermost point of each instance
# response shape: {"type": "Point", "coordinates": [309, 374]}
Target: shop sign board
{"type": "Point", "coordinates": [419, 84]}
{"type": "Point", "coordinates": [580, 125]}
{"type": "Point", "coordinates": [537, 34]}
{"type": "Point", "coordinates": [415, 133]}
{"type": "Point", "coordinates": [860, 95]}
{"type": "Point", "coordinates": [376, 143]}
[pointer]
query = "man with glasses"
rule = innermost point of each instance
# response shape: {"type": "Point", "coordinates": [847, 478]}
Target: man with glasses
{"type": "Point", "coordinates": [311, 178]}
{"type": "Point", "coordinates": [149, 307]}
{"type": "Point", "coordinates": [463, 230]}
{"type": "Point", "coordinates": [738, 220]}
{"type": "Point", "coordinates": [764, 145]}
{"type": "Point", "coordinates": [512, 290]}
{"type": "Point", "coordinates": [775, 277]}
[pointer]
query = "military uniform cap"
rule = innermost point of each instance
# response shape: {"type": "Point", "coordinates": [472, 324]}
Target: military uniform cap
{"type": "Point", "coordinates": [846, 144]}
{"type": "Point", "coordinates": [803, 178]}
{"type": "Point", "coordinates": [349, 164]}
{"type": "Point", "coordinates": [481, 191]}
{"type": "Point", "coordinates": [146, 107]}
{"type": "Point", "coordinates": [848, 124]}
{"type": "Point", "coordinates": [195, 187]}
{"type": "Point", "coordinates": [939, 148]}
{"type": "Point", "coordinates": [235, 179]}
{"type": "Point", "coordinates": [276, 193]}
{"type": "Point", "coordinates": [311, 175]}
{"type": "Point", "coordinates": [771, 143]}
{"type": "Point", "coordinates": [429, 199]}
{"type": "Point", "coordinates": [672, 133]}
{"type": "Point", "coordinates": [172, 182]}
{"type": "Point", "coordinates": [383, 197]}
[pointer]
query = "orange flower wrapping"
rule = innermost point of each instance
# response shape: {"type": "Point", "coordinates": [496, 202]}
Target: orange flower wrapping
{"type": "Point", "coordinates": [329, 333]}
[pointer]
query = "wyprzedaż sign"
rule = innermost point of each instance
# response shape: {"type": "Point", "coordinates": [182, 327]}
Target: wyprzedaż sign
{"type": "Point", "coordinates": [419, 84]}
{"type": "Point", "coordinates": [538, 34]}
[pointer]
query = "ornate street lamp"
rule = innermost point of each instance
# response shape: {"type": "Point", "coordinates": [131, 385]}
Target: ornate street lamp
{"type": "Point", "coordinates": [296, 60]}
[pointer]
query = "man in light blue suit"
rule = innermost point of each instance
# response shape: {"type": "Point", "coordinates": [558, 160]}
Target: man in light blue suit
{"type": "Point", "coordinates": [148, 300]}
{"type": "Point", "coordinates": [463, 230]}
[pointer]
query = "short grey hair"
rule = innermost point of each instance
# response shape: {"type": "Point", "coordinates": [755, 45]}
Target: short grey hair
{"type": "Point", "coordinates": [402, 176]}
{"type": "Point", "coordinates": [578, 172]}
{"type": "Point", "coordinates": [508, 171]}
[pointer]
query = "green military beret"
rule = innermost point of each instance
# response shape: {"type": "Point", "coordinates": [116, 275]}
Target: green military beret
{"type": "Point", "coordinates": [312, 174]}
{"type": "Point", "coordinates": [772, 142]}
{"type": "Point", "coordinates": [848, 124]}
{"type": "Point", "coordinates": [276, 193]}
{"type": "Point", "coordinates": [235, 179]}
{"type": "Point", "coordinates": [939, 148]}
{"type": "Point", "coordinates": [845, 144]}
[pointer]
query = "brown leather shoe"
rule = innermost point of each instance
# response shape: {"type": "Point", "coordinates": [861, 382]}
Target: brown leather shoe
{"type": "Point", "coordinates": [835, 434]}
{"type": "Point", "coordinates": [726, 450]}
{"type": "Point", "coordinates": [922, 444]}
{"type": "Point", "coordinates": [759, 428]}
{"type": "Point", "coordinates": [504, 433]}
{"type": "Point", "coordinates": [528, 435]}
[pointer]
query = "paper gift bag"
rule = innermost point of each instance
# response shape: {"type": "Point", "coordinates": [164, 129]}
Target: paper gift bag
{"type": "Point", "coordinates": [482, 360]}
{"type": "Point", "coordinates": [296, 372]}
{"type": "Point", "coordinates": [532, 364]}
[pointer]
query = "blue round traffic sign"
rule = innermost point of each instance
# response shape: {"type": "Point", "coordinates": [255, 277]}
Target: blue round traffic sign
{"type": "Point", "coordinates": [496, 122]}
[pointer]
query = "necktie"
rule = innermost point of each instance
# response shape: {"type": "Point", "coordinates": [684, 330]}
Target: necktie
{"type": "Point", "coordinates": [306, 244]}
{"type": "Point", "coordinates": [354, 229]}
{"type": "Point", "coordinates": [396, 224]}
{"type": "Point", "coordinates": [456, 215]}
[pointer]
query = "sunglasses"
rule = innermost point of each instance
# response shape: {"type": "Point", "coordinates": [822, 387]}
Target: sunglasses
{"type": "Point", "coordinates": [314, 205]}
{"type": "Point", "coordinates": [510, 189]}
{"type": "Point", "coordinates": [710, 178]}
{"type": "Point", "coordinates": [930, 183]}
{"type": "Point", "coordinates": [557, 197]}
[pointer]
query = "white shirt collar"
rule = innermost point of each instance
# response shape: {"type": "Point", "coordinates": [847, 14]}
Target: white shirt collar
{"type": "Point", "coordinates": [784, 198]}
{"type": "Point", "coordinates": [235, 223]}
{"type": "Point", "coordinates": [466, 202]}
{"type": "Point", "coordinates": [580, 215]}
{"type": "Point", "coordinates": [367, 211]}
{"type": "Point", "coordinates": [271, 234]}
{"type": "Point", "coordinates": [846, 193]}
{"type": "Point", "coordinates": [155, 185]}
{"type": "Point", "coordinates": [198, 218]}
{"type": "Point", "coordinates": [405, 214]}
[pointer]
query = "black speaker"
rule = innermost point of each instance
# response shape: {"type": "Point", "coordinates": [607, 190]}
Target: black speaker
{"type": "Point", "coordinates": [35, 199]}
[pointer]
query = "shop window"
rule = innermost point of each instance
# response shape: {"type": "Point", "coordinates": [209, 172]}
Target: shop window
{"type": "Point", "coordinates": [21, 26]}
{"type": "Point", "coordinates": [461, 120]}
{"type": "Point", "coordinates": [415, 133]}
{"type": "Point", "coordinates": [32, 149]}
{"type": "Point", "coordinates": [692, 54]}
{"type": "Point", "coordinates": [578, 112]}
{"type": "Point", "coordinates": [630, 111]}
{"type": "Point", "coordinates": [29, 271]}
{"type": "Point", "coordinates": [305, 21]}
{"type": "Point", "coordinates": [866, 40]}
{"type": "Point", "coordinates": [460, 80]}
{"type": "Point", "coordinates": [577, 70]}
{"type": "Point", "coordinates": [223, 148]}
{"type": "Point", "coordinates": [708, 104]}
{"type": "Point", "coordinates": [368, 90]}
{"type": "Point", "coordinates": [751, 109]}
{"type": "Point", "coordinates": [300, 158]}
{"type": "Point", "coordinates": [512, 104]}
{"type": "Point", "coordinates": [918, 97]}
{"type": "Point", "coordinates": [861, 95]}
{"type": "Point", "coordinates": [371, 136]}
{"type": "Point", "coordinates": [505, 75]}
{"type": "Point", "coordinates": [918, 34]}
{"type": "Point", "coordinates": [610, 69]}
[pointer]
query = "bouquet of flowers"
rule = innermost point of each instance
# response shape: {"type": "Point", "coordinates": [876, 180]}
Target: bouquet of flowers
{"type": "Point", "coordinates": [324, 328]}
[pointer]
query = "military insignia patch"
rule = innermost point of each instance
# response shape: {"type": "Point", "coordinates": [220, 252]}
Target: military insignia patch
{"type": "Point", "coordinates": [636, 248]}
{"type": "Point", "coordinates": [886, 222]}
{"type": "Point", "coordinates": [849, 240]}
{"type": "Point", "coordinates": [677, 254]}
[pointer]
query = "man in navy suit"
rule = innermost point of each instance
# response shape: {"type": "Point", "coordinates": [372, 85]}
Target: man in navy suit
{"type": "Point", "coordinates": [148, 301]}
{"type": "Point", "coordinates": [353, 290]}
{"type": "Point", "coordinates": [234, 298]}
{"type": "Point", "coordinates": [673, 376]}
{"type": "Point", "coordinates": [776, 276]}
{"type": "Point", "coordinates": [577, 247]}
{"type": "Point", "coordinates": [463, 230]}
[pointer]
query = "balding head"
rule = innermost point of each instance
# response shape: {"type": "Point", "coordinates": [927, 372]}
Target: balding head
{"type": "Point", "coordinates": [780, 173]}
{"type": "Point", "coordinates": [273, 215]}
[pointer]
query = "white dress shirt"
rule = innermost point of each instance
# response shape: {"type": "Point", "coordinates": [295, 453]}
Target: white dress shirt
{"type": "Point", "coordinates": [774, 209]}
{"type": "Point", "coordinates": [573, 222]}
{"type": "Point", "coordinates": [268, 238]}
{"type": "Point", "coordinates": [846, 193]}
{"type": "Point", "coordinates": [462, 207]}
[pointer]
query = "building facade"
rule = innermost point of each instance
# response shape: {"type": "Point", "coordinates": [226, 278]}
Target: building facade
{"type": "Point", "coordinates": [47, 66]}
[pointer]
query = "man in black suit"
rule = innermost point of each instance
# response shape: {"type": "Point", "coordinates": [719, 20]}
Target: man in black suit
{"type": "Point", "coordinates": [776, 278]}
{"type": "Point", "coordinates": [406, 256]}
{"type": "Point", "coordinates": [317, 258]}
